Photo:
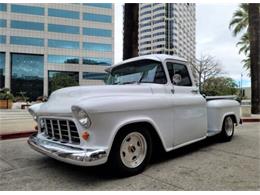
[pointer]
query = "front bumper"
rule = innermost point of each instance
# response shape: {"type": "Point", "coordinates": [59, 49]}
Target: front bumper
{"type": "Point", "coordinates": [68, 154]}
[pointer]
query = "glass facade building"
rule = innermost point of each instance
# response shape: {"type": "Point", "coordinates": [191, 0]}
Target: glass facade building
{"type": "Point", "coordinates": [2, 70]}
{"type": "Point", "coordinates": [43, 42]}
{"type": "Point", "coordinates": [27, 74]}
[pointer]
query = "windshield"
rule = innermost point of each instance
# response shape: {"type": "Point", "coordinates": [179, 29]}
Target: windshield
{"type": "Point", "coordinates": [142, 71]}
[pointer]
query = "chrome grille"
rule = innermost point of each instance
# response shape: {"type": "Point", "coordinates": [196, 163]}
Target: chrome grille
{"type": "Point", "coordinates": [61, 130]}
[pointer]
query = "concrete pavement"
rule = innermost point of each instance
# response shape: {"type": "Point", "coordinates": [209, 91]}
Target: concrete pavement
{"type": "Point", "coordinates": [207, 165]}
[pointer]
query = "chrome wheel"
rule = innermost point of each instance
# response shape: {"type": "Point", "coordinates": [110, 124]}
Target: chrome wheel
{"type": "Point", "coordinates": [133, 150]}
{"type": "Point", "coordinates": [229, 126]}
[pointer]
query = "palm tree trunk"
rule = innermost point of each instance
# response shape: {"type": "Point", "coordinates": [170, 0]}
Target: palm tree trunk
{"type": "Point", "coordinates": [130, 42]}
{"type": "Point", "coordinates": [254, 36]}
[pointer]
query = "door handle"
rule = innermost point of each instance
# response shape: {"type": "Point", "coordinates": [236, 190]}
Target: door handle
{"type": "Point", "coordinates": [195, 91]}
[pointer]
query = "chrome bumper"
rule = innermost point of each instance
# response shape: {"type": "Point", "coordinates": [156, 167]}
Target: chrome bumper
{"type": "Point", "coordinates": [72, 155]}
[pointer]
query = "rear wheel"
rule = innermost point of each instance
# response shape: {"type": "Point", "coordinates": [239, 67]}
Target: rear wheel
{"type": "Point", "coordinates": [227, 129]}
{"type": "Point", "coordinates": [131, 151]}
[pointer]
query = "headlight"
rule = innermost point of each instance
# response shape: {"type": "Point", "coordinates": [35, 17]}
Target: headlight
{"type": "Point", "coordinates": [33, 114]}
{"type": "Point", "coordinates": [81, 116]}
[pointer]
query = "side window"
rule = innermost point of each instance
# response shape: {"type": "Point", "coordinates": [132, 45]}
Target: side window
{"type": "Point", "coordinates": [160, 76]}
{"type": "Point", "coordinates": [181, 70]}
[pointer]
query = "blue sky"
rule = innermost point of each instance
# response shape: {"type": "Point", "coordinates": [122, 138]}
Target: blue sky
{"type": "Point", "coordinates": [212, 36]}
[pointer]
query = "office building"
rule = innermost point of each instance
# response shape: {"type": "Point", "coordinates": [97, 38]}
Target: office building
{"type": "Point", "coordinates": [39, 42]}
{"type": "Point", "coordinates": [167, 28]}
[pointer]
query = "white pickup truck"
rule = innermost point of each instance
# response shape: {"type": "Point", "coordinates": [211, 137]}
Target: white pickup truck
{"type": "Point", "coordinates": [147, 102]}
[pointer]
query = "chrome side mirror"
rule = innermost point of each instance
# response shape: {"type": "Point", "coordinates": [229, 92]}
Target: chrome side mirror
{"type": "Point", "coordinates": [176, 79]}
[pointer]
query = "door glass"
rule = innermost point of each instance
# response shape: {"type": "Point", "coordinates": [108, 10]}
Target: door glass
{"type": "Point", "coordinates": [179, 71]}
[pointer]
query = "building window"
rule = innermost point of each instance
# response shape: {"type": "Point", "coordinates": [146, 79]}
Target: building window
{"type": "Point", "coordinates": [97, 32]}
{"type": "Point", "coordinates": [27, 25]}
{"type": "Point", "coordinates": [63, 28]}
{"type": "Point", "coordinates": [145, 19]}
{"type": "Point", "coordinates": [158, 27]}
{"type": "Point", "coordinates": [158, 15]}
{"type": "Point", "coordinates": [94, 75]}
{"type": "Point", "coordinates": [2, 23]}
{"type": "Point", "coordinates": [158, 21]}
{"type": "Point", "coordinates": [2, 70]}
{"type": "Point", "coordinates": [146, 30]}
{"type": "Point", "coordinates": [15, 40]}
{"type": "Point", "coordinates": [58, 59]}
{"type": "Point", "coordinates": [27, 75]}
{"type": "Point", "coordinates": [97, 47]}
{"type": "Point", "coordinates": [144, 6]}
{"type": "Point", "coordinates": [61, 79]}
{"type": "Point", "coordinates": [159, 33]}
{"type": "Point", "coordinates": [102, 5]}
{"type": "Point", "coordinates": [3, 7]}
{"type": "Point", "coordinates": [2, 39]}
{"type": "Point", "coordinates": [97, 61]}
{"type": "Point", "coordinates": [63, 44]}
{"type": "Point", "coordinates": [63, 13]}
{"type": "Point", "coordinates": [145, 36]}
{"type": "Point", "coordinates": [145, 42]}
{"type": "Point", "coordinates": [146, 24]}
{"type": "Point", "coordinates": [145, 12]}
{"type": "Point", "coordinates": [25, 9]}
{"type": "Point", "coordinates": [158, 8]}
{"type": "Point", "coordinates": [97, 17]}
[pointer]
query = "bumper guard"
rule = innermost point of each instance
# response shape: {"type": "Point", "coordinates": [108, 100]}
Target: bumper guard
{"type": "Point", "coordinates": [72, 155]}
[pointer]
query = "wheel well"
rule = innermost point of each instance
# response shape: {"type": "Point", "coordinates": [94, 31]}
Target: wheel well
{"type": "Point", "coordinates": [156, 140]}
{"type": "Point", "coordinates": [233, 117]}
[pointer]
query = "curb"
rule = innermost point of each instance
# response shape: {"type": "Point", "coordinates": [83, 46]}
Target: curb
{"type": "Point", "coordinates": [250, 120]}
{"type": "Point", "coordinates": [16, 135]}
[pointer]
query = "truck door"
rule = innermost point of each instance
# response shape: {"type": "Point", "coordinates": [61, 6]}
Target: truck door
{"type": "Point", "coordinates": [188, 105]}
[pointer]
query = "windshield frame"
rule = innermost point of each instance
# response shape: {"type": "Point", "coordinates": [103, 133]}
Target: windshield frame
{"type": "Point", "coordinates": [159, 64]}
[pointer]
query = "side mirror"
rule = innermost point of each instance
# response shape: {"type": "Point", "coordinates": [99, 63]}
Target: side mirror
{"type": "Point", "coordinates": [176, 79]}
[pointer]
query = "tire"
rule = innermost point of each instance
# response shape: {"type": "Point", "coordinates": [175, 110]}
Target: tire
{"type": "Point", "coordinates": [227, 129]}
{"type": "Point", "coordinates": [131, 151]}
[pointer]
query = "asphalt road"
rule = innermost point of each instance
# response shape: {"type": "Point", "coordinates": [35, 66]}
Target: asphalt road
{"type": "Point", "coordinates": [207, 165]}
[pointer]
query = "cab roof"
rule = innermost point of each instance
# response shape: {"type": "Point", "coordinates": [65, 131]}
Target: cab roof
{"type": "Point", "coordinates": [155, 57]}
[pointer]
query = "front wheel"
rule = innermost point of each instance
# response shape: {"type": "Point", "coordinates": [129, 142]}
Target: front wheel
{"type": "Point", "coordinates": [227, 129]}
{"type": "Point", "coordinates": [131, 151]}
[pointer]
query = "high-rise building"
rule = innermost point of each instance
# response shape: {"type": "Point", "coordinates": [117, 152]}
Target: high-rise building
{"type": "Point", "coordinates": [167, 28]}
{"type": "Point", "coordinates": [40, 42]}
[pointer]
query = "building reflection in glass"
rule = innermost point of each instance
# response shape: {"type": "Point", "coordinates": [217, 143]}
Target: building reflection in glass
{"type": "Point", "coordinates": [27, 75]}
{"type": "Point", "coordinates": [61, 79]}
{"type": "Point", "coordinates": [2, 70]}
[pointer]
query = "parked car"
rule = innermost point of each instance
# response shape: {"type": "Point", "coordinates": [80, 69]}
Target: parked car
{"type": "Point", "coordinates": [147, 102]}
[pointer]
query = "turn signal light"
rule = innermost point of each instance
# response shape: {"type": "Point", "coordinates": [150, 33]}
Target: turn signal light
{"type": "Point", "coordinates": [85, 135]}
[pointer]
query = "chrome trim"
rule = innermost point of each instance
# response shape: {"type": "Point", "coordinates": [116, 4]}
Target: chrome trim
{"type": "Point", "coordinates": [69, 133]}
{"type": "Point", "coordinates": [69, 154]}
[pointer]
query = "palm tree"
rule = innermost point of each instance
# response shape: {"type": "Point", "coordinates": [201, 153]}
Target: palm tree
{"type": "Point", "coordinates": [239, 21]}
{"type": "Point", "coordinates": [239, 24]}
{"type": "Point", "coordinates": [254, 36]}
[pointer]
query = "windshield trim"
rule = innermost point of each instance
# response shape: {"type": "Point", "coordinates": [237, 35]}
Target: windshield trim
{"type": "Point", "coordinates": [160, 63]}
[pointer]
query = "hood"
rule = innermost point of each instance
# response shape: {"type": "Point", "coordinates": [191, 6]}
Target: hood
{"type": "Point", "coordinates": [61, 100]}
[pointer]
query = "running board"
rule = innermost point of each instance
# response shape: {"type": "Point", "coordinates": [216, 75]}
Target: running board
{"type": "Point", "coordinates": [212, 133]}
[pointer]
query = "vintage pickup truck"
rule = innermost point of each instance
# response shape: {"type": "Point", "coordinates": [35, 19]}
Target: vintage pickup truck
{"type": "Point", "coordinates": [148, 102]}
